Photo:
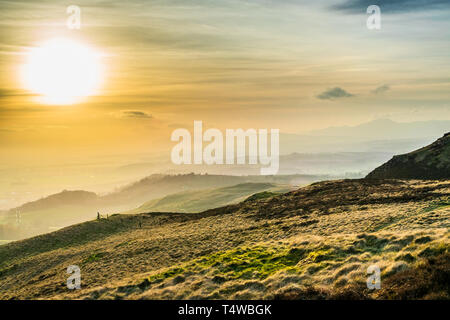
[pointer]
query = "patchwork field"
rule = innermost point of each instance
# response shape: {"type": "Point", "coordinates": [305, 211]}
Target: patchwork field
{"type": "Point", "coordinates": [312, 243]}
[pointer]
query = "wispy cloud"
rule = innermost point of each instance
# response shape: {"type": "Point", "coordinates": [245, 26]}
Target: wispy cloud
{"type": "Point", "coordinates": [381, 89]}
{"type": "Point", "coordinates": [136, 114]}
{"type": "Point", "coordinates": [334, 93]}
{"type": "Point", "coordinates": [4, 93]}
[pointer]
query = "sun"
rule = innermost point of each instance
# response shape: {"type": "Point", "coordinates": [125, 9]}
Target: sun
{"type": "Point", "coordinates": [62, 71]}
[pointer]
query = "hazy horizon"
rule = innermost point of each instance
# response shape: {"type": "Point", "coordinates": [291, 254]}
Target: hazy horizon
{"type": "Point", "coordinates": [312, 70]}
{"type": "Point", "coordinates": [28, 179]}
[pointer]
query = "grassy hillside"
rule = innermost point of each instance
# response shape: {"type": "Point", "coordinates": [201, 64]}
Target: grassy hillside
{"type": "Point", "coordinates": [316, 242]}
{"type": "Point", "coordinates": [430, 162]}
{"type": "Point", "coordinates": [197, 201]}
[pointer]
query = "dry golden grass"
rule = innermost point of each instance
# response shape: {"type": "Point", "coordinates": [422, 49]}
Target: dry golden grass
{"type": "Point", "coordinates": [315, 242]}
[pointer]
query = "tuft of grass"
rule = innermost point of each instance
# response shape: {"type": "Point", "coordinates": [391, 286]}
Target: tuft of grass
{"type": "Point", "coordinates": [7, 269]}
{"type": "Point", "coordinates": [257, 262]}
{"type": "Point", "coordinates": [169, 273]}
{"type": "Point", "coordinates": [434, 250]}
{"type": "Point", "coordinates": [249, 263]}
{"type": "Point", "coordinates": [371, 243]}
{"type": "Point", "coordinates": [434, 205]}
{"type": "Point", "coordinates": [122, 244]}
{"type": "Point", "coordinates": [94, 257]}
{"type": "Point", "coordinates": [405, 257]}
{"type": "Point", "coordinates": [430, 279]}
{"type": "Point", "coordinates": [321, 255]}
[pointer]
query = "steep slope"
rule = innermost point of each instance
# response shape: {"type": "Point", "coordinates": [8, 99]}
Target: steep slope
{"type": "Point", "coordinates": [315, 242]}
{"type": "Point", "coordinates": [430, 162]}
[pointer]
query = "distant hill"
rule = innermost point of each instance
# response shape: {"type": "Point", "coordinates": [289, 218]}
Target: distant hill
{"type": "Point", "coordinates": [161, 185]}
{"type": "Point", "coordinates": [200, 200]}
{"type": "Point", "coordinates": [70, 207]}
{"type": "Point", "coordinates": [430, 162]}
{"type": "Point", "coordinates": [63, 198]}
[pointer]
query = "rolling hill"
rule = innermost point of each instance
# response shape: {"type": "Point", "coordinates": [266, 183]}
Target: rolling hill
{"type": "Point", "coordinates": [430, 162]}
{"type": "Point", "coordinates": [70, 207]}
{"type": "Point", "coordinates": [312, 243]}
{"type": "Point", "coordinates": [201, 200]}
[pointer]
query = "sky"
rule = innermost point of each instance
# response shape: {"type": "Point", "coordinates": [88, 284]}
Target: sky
{"type": "Point", "coordinates": [292, 65]}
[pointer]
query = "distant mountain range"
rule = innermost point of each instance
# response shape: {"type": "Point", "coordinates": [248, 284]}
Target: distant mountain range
{"type": "Point", "coordinates": [382, 135]}
{"type": "Point", "coordinates": [430, 162]}
{"type": "Point", "coordinates": [337, 164]}
{"type": "Point", "coordinates": [387, 129]}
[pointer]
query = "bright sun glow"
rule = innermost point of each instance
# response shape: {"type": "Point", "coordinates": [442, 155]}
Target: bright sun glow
{"type": "Point", "coordinates": [62, 71]}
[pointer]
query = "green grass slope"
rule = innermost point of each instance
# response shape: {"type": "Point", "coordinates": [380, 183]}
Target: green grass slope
{"type": "Point", "coordinates": [201, 200]}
